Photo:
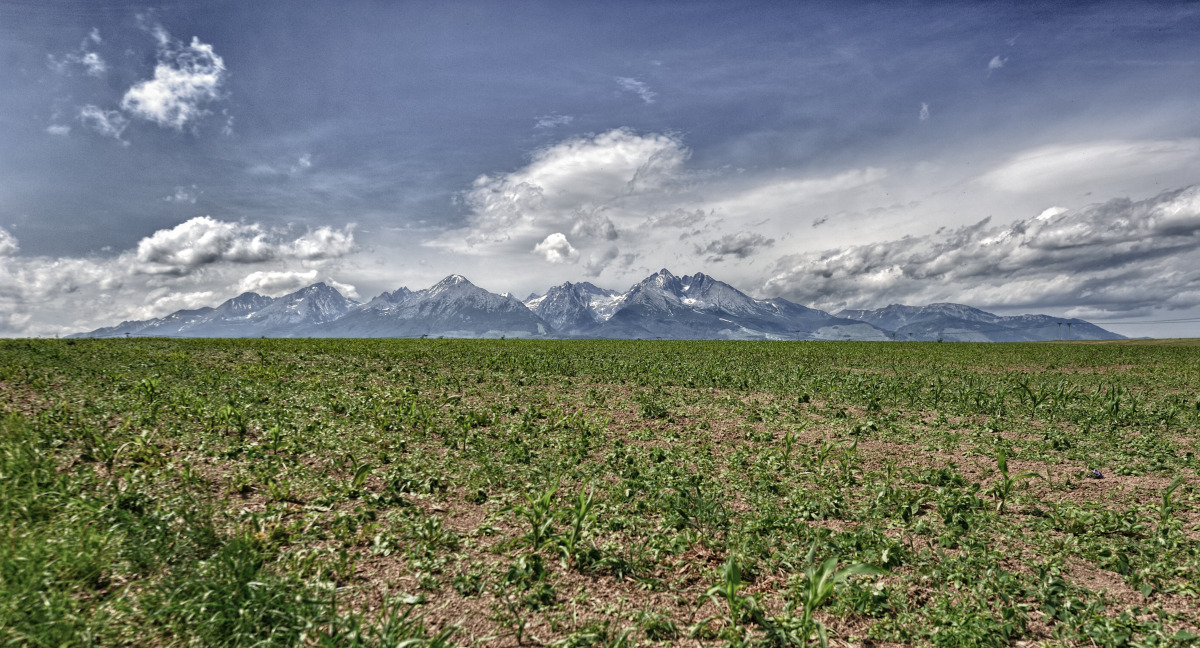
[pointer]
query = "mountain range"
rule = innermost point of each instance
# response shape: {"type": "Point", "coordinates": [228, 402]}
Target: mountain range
{"type": "Point", "coordinates": [696, 307]}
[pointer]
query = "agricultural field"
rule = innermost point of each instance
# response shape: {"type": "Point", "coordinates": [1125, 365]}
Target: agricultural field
{"type": "Point", "coordinates": [598, 493]}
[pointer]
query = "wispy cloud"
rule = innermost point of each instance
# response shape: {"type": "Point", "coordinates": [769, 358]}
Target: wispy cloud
{"type": "Point", "coordinates": [996, 63]}
{"type": "Point", "coordinates": [1062, 165]}
{"type": "Point", "coordinates": [640, 88]}
{"type": "Point", "coordinates": [296, 167]}
{"type": "Point", "coordinates": [84, 57]}
{"type": "Point", "coordinates": [553, 121]}
{"type": "Point", "coordinates": [773, 195]}
{"type": "Point", "coordinates": [109, 123]}
{"type": "Point", "coordinates": [923, 115]}
{"type": "Point", "coordinates": [60, 130]}
{"type": "Point", "coordinates": [186, 77]}
{"type": "Point", "coordinates": [183, 195]}
{"type": "Point", "coordinates": [303, 163]}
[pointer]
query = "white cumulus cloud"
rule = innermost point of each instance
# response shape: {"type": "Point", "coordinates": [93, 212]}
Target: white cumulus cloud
{"type": "Point", "coordinates": [186, 77]}
{"type": "Point", "coordinates": [201, 241]}
{"type": "Point", "coordinates": [8, 243]}
{"type": "Point", "coordinates": [580, 179]}
{"type": "Point", "coordinates": [557, 249]}
{"type": "Point", "coordinates": [204, 240]}
{"type": "Point", "coordinates": [323, 243]}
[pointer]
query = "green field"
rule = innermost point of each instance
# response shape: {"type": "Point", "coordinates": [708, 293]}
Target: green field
{"type": "Point", "coordinates": [598, 493]}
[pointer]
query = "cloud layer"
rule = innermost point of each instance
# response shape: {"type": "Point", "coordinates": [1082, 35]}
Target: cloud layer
{"type": "Point", "coordinates": [615, 204]}
{"type": "Point", "coordinates": [1116, 256]}
{"type": "Point", "coordinates": [195, 263]}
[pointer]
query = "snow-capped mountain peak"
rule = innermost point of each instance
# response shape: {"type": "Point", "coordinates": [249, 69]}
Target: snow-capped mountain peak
{"type": "Point", "coordinates": [449, 283]}
{"type": "Point", "coordinates": [314, 304]}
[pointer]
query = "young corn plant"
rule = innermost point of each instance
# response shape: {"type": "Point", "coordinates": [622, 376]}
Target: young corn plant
{"type": "Point", "coordinates": [230, 419]}
{"type": "Point", "coordinates": [727, 588]}
{"type": "Point", "coordinates": [1007, 484]}
{"type": "Point", "coordinates": [789, 440]}
{"type": "Point", "coordinates": [582, 519]}
{"type": "Point", "coordinates": [275, 438]}
{"type": "Point", "coordinates": [820, 583]}
{"type": "Point", "coordinates": [362, 470]}
{"type": "Point", "coordinates": [1165, 511]}
{"type": "Point", "coordinates": [821, 456]}
{"type": "Point", "coordinates": [537, 511]}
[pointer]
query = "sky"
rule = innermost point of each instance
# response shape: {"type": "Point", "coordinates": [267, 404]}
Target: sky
{"type": "Point", "coordinates": [1015, 157]}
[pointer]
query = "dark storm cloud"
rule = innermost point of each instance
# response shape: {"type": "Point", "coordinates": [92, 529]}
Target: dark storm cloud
{"type": "Point", "coordinates": [739, 245]}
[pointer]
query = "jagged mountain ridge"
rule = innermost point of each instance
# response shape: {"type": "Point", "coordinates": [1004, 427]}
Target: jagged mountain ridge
{"type": "Point", "coordinates": [247, 315]}
{"type": "Point", "coordinates": [660, 306]}
{"type": "Point", "coordinates": [575, 307]}
{"type": "Point", "coordinates": [453, 307]}
{"type": "Point", "coordinates": [701, 307]}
